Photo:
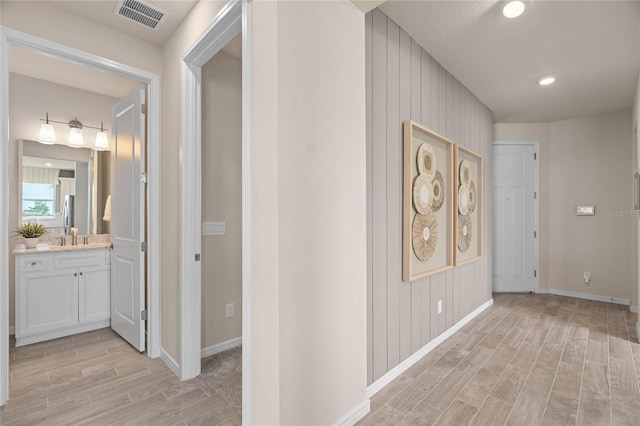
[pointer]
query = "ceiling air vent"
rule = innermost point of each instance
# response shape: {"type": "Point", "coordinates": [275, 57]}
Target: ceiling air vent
{"type": "Point", "coordinates": [141, 12]}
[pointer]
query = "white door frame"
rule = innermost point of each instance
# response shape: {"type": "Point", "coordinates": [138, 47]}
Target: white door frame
{"type": "Point", "coordinates": [536, 183]}
{"type": "Point", "coordinates": [232, 20]}
{"type": "Point", "coordinates": [9, 38]}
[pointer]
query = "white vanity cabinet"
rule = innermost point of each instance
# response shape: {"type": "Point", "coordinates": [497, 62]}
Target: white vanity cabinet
{"type": "Point", "coordinates": [61, 293]}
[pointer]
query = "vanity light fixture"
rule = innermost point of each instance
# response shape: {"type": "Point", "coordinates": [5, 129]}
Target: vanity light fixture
{"type": "Point", "coordinates": [47, 135]}
{"type": "Point", "coordinates": [546, 81]}
{"type": "Point", "coordinates": [513, 9]}
{"type": "Point", "coordinates": [102, 141]}
{"type": "Point", "coordinates": [76, 138]}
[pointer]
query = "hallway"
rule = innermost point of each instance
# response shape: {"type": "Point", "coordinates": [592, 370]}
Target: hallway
{"type": "Point", "coordinates": [527, 360]}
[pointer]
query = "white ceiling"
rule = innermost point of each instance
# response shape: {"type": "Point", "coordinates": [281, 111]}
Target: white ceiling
{"type": "Point", "coordinates": [102, 11]}
{"type": "Point", "coordinates": [592, 47]}
{"type": "Point", "coordinates": [46, 68]}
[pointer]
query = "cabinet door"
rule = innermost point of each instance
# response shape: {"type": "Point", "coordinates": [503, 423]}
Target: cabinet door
{"type": "Point", "coordinates": [48, 301]}
{"type": "Point", "coordinates": [95, 293]}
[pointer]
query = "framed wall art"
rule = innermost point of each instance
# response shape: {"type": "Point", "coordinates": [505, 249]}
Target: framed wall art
{"type": "Point", "coordinates": [468, 214]}
{"type": "Point", "coordinates": [427, 218]}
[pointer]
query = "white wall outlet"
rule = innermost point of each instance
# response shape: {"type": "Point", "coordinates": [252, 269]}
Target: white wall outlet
{"type": "Point", "coordinates": [587, 277]}
{"type": "Point", "coordinates": [213, 228]}
{"type": "Point", "coordinates": [230, 309]}
{"type": "Point", "coordinates": [439, 306]}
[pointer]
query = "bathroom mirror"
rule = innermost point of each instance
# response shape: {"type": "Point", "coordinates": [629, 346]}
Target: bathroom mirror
{"type": "Point", "coordinates": [53, 175]}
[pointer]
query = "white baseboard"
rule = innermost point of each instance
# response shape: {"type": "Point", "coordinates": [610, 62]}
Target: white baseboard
{"type": "Point", "coordinates": [171, 363]}
{"type": "Point", "coordinates": [633, 309]}
{"type": "Point", "coordinates": [221, 347]}
{"type": "Point", "coordinates": [596, 297]}
{"type": "Point", "coordinates": [357, 413]}
{"type": "Point", "coordinates": [67, 331]}
{"type": "Point", "coordinates": [12, 330]}
{"type": "Point", "coordinates": [396, 371]}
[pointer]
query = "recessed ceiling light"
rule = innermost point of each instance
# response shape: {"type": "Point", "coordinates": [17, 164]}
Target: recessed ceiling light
{"type": "Point", "coordinates": [48, 164]}
{"type": "Point", "coordinates": [513, 9]}
{"type": "Point", "coordinates": [546, 81]}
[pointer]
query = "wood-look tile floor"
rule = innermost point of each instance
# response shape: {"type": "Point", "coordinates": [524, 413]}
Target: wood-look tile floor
{"type": "Point", "coordinates": [527, 360]}
{"type": "Point", "coordinates": [97, 379]}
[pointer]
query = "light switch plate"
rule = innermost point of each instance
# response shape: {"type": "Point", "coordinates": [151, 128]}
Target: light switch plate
{"type": "Point", "coordinates": [585, 210]}
{"type": "Point", "coordinates": [213, 228]}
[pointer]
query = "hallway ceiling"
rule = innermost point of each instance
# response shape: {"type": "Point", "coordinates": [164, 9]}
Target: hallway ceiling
{"type": "Point", "coordinates": [102, 11]}
{"type": "Point", "coordinates": [591, 47]}
{"type": "Point", "coordinates": [46, 68]}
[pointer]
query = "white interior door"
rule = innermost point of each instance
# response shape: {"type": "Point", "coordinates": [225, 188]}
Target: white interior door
{"type": "Point", "coordinates": [514, 204]}
{"type": "Point", "coordinates": [127, 218]}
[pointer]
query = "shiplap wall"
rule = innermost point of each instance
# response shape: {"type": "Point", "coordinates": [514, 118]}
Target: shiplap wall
{"type": "Point", "coordinates": [405, 83]}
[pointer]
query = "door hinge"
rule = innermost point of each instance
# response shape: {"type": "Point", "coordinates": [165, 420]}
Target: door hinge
{"type": "Point", "coordinates": [143, 246]}
{"type": "Point", "coordinates": [535, 234]}
{"type": "Point", "coordinates": [144, 315]}
{"type": "Point", "coordinates": [144, 178]}
{"type": "Point", "coordinates": [197, 257]}
{"type": "Point", "coordinates": [535, 195]}
{"type": "Point", "coordinates": [143, 108]}
{"type": "Point", "coordinates": [535, 273]}
{"type": "Point", "coordinates": [535, 156]}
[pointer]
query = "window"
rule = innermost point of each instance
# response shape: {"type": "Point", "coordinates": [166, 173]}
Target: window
{"type": "Point", "coordinates": [38, 200]}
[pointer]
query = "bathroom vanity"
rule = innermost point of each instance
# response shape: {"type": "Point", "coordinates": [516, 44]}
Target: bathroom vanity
{"type": "Point", "coordinates": [61, 291]}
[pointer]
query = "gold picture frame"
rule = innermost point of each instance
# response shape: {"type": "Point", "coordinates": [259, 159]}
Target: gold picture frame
{"type": "Point", "coordinates": [428, 203]}
{"type": "Point", "coordinates": [469, 206]}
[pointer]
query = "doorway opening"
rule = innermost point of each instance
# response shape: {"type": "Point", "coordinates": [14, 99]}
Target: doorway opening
{"type": "Point", "coordinates": [221, 242]}
{"type": "Point", "coordinates": [232, 21]}
{"type": "Point", "coordinates": [13, 39]}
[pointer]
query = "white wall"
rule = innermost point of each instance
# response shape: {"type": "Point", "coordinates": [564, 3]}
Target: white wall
{"type": "Point", "coordinates": [265, 227]}
{"type": "Point", "coordinates": [29, 100]}
{"type": "Point", "coordinates": [583, 161]}
{"type": "Point", "coordinates": [222, 197]}
{"type": "Point", "coordinates": [589, 165]}
{"type": "Point", "coordinates": [322, 210]}
{"type": "Point", "coordinates": [635, 236]}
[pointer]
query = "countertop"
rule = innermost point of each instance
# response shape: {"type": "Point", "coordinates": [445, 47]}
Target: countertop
{"type": "Point", "coordinates": [63, 249]}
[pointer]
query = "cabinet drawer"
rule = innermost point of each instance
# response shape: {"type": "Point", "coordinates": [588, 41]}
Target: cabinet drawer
{"type": "Point", "coordinates": [77, 260]}
{"type": "Point", "coordinates": [33, 263]}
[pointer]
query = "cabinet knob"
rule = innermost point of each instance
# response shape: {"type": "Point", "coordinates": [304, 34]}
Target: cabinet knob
{"type": "Point", "coordinates": [80, 273]}
{"type": "Point", "coordinates": [33, 263]}
{"type": "Point", "coordinates": [75, 274]}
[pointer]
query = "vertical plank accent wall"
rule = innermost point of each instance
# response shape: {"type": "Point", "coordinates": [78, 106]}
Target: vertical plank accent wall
{"type": "Point", "coordinates": [405, 83]}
